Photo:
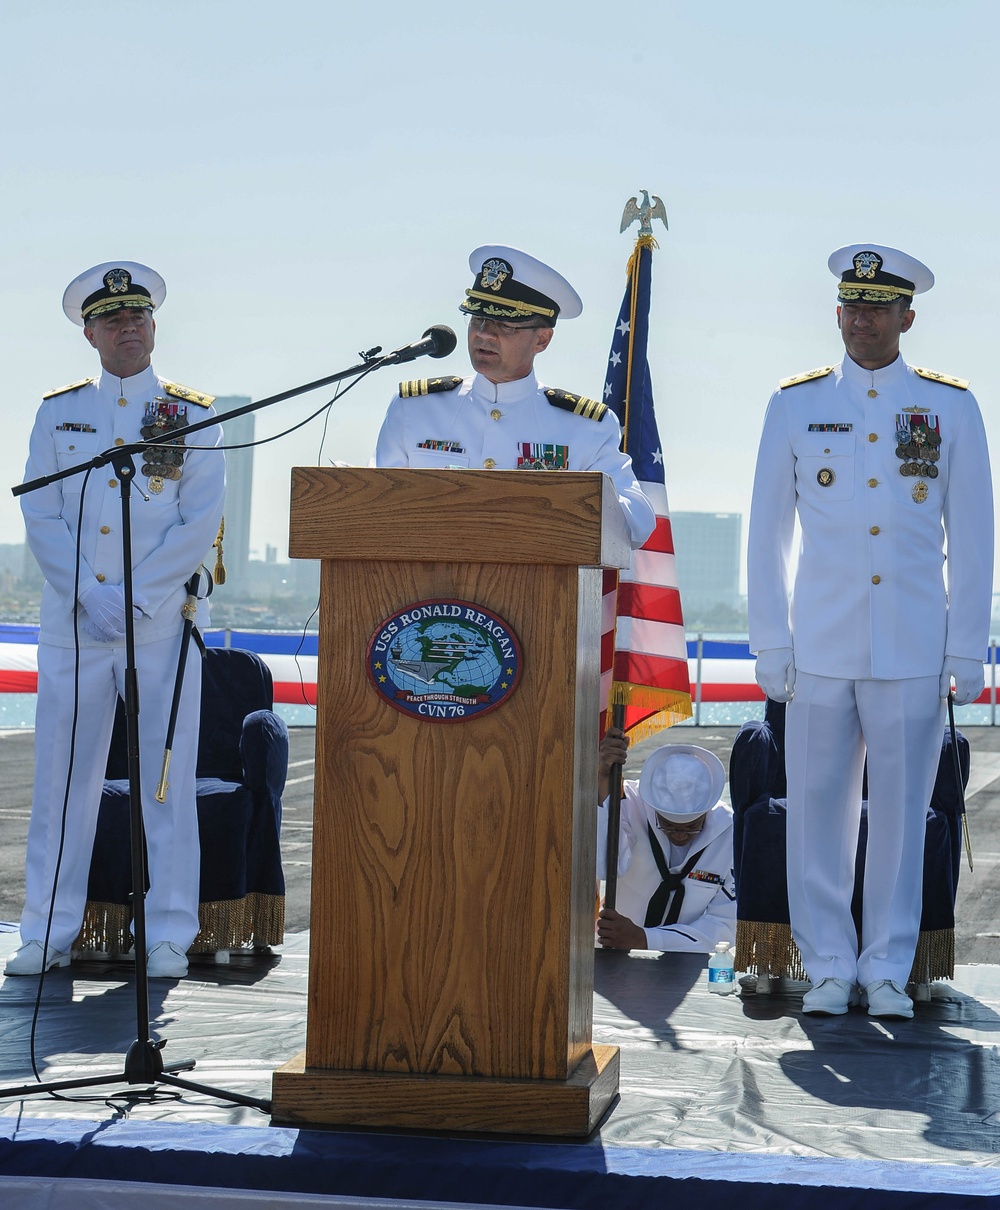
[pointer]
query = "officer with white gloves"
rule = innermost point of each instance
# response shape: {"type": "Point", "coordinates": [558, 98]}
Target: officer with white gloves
{"type": "Point", "coordinates": [503, 418]}
{"type": "Point", "coordinates": [882, 463]}
{"type": "Point", "coordinates": [176, 508]}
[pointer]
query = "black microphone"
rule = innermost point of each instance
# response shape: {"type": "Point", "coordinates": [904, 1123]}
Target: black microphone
{"type": "Point", "coordinates": [438, 341]}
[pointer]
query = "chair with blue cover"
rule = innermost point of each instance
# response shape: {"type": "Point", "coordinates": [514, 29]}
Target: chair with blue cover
{"type": "Point", "coordinates": [242, 765]}
{"type": "Point", "coordinates": [764, 942]}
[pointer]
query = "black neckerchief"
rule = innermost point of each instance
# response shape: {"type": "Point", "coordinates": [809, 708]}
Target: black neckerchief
{"type": "Point", "coordinates": [672, 884]}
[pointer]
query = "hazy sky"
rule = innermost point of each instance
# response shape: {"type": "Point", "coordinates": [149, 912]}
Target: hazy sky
{"type": "Point", "coordinates": [310, 177]}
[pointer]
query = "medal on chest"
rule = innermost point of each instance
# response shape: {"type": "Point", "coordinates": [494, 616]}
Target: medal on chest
{"type": "Point", "coordinates": [918, 447]}
{"type": "Point", "coordinates": [537, 456]}
{"type": "Point", "coordinates": [163, 462]}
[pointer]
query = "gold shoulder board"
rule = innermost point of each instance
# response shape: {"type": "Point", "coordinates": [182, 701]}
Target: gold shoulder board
{"type": "Point", "coordinates": [428, 386]}
{"type": "Point", "coordinates": [807, 377]}
{"type": "Point", "coordinates": [181, 392]}
{"type": "Point", "coordinates": [962, 384]}
{"type": "Point", "coordinates": [73, 386]}
{"type": "Point", "coordinates": [578, 404]}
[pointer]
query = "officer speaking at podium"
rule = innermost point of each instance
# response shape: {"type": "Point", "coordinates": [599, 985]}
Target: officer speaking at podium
{"type": "Point", "coordinates": [503, 418]}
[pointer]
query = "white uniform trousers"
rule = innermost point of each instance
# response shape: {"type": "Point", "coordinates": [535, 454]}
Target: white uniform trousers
{"type": "Point", "coordinates": [171, 827]}
{"type": "Point", "coordinates": [829, 725]}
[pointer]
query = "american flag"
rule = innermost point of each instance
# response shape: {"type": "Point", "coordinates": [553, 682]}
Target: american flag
{"type": "Point", "coordinates": [643, 650]}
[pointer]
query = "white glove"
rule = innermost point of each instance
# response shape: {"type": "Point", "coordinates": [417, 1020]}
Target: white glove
{"type": "Point", "coordinates": [105, 611]}
{"type": "Point", "coordinates": [775, 673]}
{"type": "Point", "coordinates": [969, 679]}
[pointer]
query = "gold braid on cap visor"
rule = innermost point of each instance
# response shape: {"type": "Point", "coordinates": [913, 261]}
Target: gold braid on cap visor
{"type": "Point", "coordinates": [112, 304]}
{"type": "Point", "coordinates": [511, 308]}
{"type": "Point", "coordinates": [871, 293]}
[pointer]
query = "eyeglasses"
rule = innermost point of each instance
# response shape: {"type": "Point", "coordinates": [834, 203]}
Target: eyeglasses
{"type": "Point", "coordinates": [680, 829]}
{"type": "Point", "coordinates": [478, 324]}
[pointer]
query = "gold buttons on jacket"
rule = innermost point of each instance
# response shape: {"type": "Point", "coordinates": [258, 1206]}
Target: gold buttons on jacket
{"type": "Point", "coordinates": [495, 414]}
{"type": "Point", "coordinates": [874, 530]}
{"type": "Point", "coordinates": [105, 529]}
{"type": "Point", "coordinates": [112, 483]}
{"type": "Point", "coordinates": [873, 436]}
{"type": "Point", "coordinates": [876, 579]}
{"type": "Point", "coordinates": [873, 483]}
{"type": "Point", "coordinates": [490, 463]}
{"type": "Point", "coordinates": [100, 577]}
{"type": "Point", "coordinates": [123, 403]}
{"type": "Point", "coordinates": [119, 441]}
{"type": "Point", "coordinates": [872, 393]}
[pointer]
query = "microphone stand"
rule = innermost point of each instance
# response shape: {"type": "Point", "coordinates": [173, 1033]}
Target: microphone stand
{"type": "Point", "coordinates": [143, 1062]}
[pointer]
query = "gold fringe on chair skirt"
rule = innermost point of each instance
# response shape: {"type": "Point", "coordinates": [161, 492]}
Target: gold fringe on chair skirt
{"type": "Point", "coordinates": [763, 948]}
{"type": "Point", "coordinates": [226, 924]}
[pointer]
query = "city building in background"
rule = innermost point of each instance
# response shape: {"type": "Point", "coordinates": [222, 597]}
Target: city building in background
{"type": "Point", "coordinates": [707, 548]}
{"type": "Point", "coordinates": [239, 491]}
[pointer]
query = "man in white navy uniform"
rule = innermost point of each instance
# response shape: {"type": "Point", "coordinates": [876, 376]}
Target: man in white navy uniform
{"type": "Point", "coordinates": [503, 417]}
{"type": "Point", "coordinates": [176, 508]}
{"type": "Point", "coordinates": [883, 463]}
{"type": "Point", "coordinates": [675, 886]}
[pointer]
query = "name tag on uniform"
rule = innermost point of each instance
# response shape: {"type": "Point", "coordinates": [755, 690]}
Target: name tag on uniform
{"type": "Point", "coordinates": [830, 427]}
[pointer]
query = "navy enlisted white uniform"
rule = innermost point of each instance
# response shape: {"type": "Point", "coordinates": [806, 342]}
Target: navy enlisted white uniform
{"type": "Point", "coordinates": [675, 887]}
{"type": "Point", "coordinates": [503, 418]}
{"type": "Point", "coordinates": [172, 530]}
{"type": "Point", "coordinates": [882, 463]}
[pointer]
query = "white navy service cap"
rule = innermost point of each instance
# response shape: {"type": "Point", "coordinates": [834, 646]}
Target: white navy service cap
{"type": "Point", "coordinates": [111, 286]}
{"type": "Point", "coordinates": [514, 287]}
{"type": "Point", "coordinates": [874, 273]}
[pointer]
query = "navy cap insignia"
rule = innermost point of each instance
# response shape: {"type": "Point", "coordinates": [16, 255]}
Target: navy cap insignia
{"type": "Point", "coordinates": [867, 264]}
{"type": "Point", "coordinates": [495, 273]}
{"type": "Point", "coordinates": [118, 281]}
{"type": "Point", "coordinates": [444, 661]}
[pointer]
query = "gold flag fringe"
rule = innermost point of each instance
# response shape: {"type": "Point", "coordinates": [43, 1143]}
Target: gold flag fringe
{"type": "Point", "coordinates": [763, 948]}
{"type": "Point", "coordinates": [225, 924]}
{"type": "Point", "coordinates": [671, 706]}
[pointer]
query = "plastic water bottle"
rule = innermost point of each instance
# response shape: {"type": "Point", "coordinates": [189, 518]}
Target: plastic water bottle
{"type": "Point", "coordinates": [721, 972]}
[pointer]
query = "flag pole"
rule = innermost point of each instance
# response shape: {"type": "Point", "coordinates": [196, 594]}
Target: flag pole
{"type": "Point", "coordinates": [614, 818]}
{"type": "Point", "coordinates": [644, 662]}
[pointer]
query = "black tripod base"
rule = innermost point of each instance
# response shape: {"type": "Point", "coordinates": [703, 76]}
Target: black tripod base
{"type": "Point", "coordinates": [143, 1065]}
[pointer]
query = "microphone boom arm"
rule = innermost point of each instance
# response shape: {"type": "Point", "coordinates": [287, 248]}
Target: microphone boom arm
{"type": "Point", "coordinates": [434, 339]}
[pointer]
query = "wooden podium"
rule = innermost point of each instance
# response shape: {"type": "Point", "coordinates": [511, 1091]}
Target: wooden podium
{"type": "Point", "coordinates": [451, 960]}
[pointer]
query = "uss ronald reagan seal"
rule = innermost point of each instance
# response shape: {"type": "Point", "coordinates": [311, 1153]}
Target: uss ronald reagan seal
{"type": "Point", "coordinates": [444, 660]}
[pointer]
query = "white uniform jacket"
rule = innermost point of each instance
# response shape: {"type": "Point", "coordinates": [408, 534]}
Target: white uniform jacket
{"type": "Point", "coordinates": [708, 911]}
{"type": "Point", "coordinates": [873, 596]}
{"type": "Point", "coordinates": [505, 426]}
{"type": "Point", "coordinates": [172, 531]}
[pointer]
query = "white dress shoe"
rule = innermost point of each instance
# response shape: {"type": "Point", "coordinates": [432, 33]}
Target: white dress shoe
{"type": "Point", "coordinates": [887, 999]}
{"type": "Point", "coordinates": [28, 959]}
{"type": "Point", "coordinates": [830, 997]}
{"type": "Point", "coordinates": [166, 960]}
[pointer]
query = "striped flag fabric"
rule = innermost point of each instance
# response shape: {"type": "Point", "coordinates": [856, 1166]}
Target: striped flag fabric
{"type": "Point", "coordinates": [643, 650]}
